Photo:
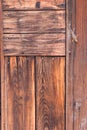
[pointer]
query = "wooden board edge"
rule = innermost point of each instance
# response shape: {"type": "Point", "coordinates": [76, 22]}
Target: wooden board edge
{"type": "Point", "coordinates": [2, 87]}
{"type": "Point", "coordinates": [70, 25]}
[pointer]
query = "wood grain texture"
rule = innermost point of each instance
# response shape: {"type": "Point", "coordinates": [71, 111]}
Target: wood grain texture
{"type": "Point", "coordinates": [0, 55]}
{"type": "Point", "coordinates": [70, 16]}
{"type": "Point", "coordinates": [33, 21]}
{"type": "Point", "coordinates": [76, 94]}
{"type": "Point", "coordinates": [19, 93]}
{"type": "Point", "coordinates": [34, 44]}
{"type": "Point", "coordinates": [33, 4]}
{"type": "Point", "coordinates": [2, 86]}
{"type": "Point", "coordinates": [50, 96]}
{"type": "Point", "coordinates": [80, 67]}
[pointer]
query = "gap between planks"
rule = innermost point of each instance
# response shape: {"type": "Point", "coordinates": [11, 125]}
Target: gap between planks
{"type": "Point", "coordinates": [35, 10]}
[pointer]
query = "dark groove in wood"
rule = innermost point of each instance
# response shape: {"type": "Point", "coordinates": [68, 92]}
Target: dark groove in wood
{"type": "Point", "coordinates": [59, 32]}
{"type": "Point", "coordinates": [36, 10]}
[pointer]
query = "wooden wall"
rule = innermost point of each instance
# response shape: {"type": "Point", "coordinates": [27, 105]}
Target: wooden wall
{"type": "Point", "coordinates": [76, 66]}
{"type": "Point", "coordinates": [43, 64]}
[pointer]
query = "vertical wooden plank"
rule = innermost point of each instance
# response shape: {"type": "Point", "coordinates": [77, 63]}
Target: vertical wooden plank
{"type": "Point", "coordinates": [69, 85]}
{"type": "Point", "coordinates": [0, 63]}
{"type": "Point", "coordinates": [70, 23]}
{"type": "Point", "coordinates": [50, 93]}
{"type": "Point", "coordinates": [76, 66]}
{"type": "Point", "coordinates": [29, 100]}
{"type": "Point", "coordinates": [80, 67]}
{"type": "Point", "coordinates": [19, 93]}
{"type": "Point", "coordinates": [2, 73]}
{"type": "Point", "coordinates": [0, 60]}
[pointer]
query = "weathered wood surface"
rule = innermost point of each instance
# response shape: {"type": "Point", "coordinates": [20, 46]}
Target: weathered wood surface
{"type": "Point", "coordinates": [33, 4]}
{"type": "Point", "coordinates": [0, 64]}
{"type": "Point", "coordinates": [50, 96]}
{"type": "Point", "coordinates": [2, 87]}
{"type": "Point", "coordinates": [34, 44]}
{"type": "Point", "coordinates": [19, 93]}
{"type": "Point", "coordinates": [76, 94]}
{"type": "Point", "coordinates": [80, 67]}
{"type": "Point", "coordinates": [33, 33]}
{"type": "Point", "coordinates": [33, 21]}
{"type": "Point", "coordinates": [70, 16]}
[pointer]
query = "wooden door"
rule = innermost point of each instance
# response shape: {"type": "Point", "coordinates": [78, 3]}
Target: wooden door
{"type": "Point", "coordinates": [43, 64]}
{"type": "Point", "coordinates": [33, 65]}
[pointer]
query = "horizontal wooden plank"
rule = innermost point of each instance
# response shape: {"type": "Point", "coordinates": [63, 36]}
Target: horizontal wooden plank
{"type": "Point", "coordinates": [33, 21]}
{"type": "Point", "coordinates": [34, 44]}
{"type": "Point", "coordinates": [33, 4]}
